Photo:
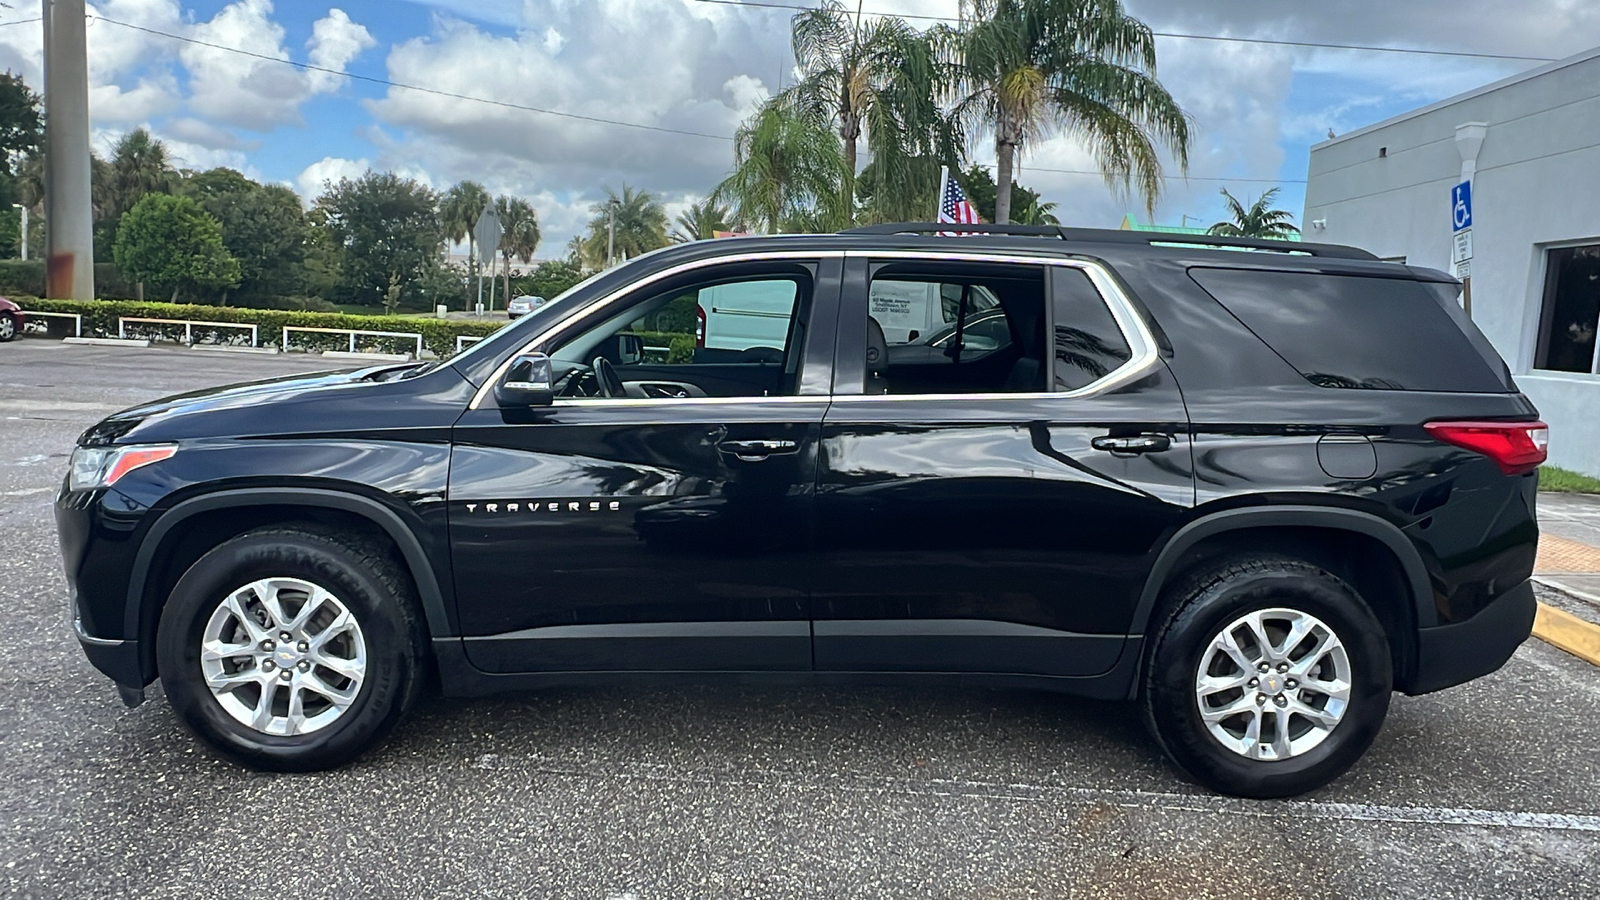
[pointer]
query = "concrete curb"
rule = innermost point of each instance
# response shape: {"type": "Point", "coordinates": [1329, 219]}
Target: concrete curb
{"type": "Point", "coordinates": [374, 357]}
{"type": "Point", "coordinates": [1568, 632]}
{"type": "Point", "coordinates": [224, 348]}
{"type": "Point", "coordinates": [108, 342]}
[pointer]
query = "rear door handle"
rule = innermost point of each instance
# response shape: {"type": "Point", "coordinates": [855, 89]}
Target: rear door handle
{"type": "Point", "coordinates": [1138, 443]}
{"type": "Point", "coordinates": [751, 451]}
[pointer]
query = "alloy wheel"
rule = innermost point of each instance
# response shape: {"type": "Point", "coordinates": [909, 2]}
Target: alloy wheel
{"type": "Point", "coordinates": [283, 656]}
{"type": "Point", "coordinates": [1273, 684]}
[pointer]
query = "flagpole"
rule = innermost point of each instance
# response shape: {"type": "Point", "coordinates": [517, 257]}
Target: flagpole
{"type": "Point", "coordinates": [944, 179]}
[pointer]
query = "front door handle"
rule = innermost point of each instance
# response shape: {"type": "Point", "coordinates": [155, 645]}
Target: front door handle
{"type": "Point", "coordinates": [751, 451]}
{"type": "Point", "coordinates": [1138, 443]}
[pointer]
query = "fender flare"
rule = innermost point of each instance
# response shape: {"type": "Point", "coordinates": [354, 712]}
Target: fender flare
{"type": "Point", "coordinates": [1411, 565]}
{"type": "Point", "coordinates": [434, 608]}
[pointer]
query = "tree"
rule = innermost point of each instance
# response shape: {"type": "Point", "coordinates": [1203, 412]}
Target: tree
{"type": "Point", "coordinates": [787, 168]}
{"type": "Point", "coordinates": [519, 226]}
{"type": "Point", "coordinates": [1082, 66]}
{"type": "Point", "coordinates": [139, 165]}
{"type": "Point", "coordinates": [979, 186]}
{"type": "Point", "coordinates": [388, 227]}
{"type": "Point", "coordinates": [171, 241]}
{"type": "Point", "coordinates": [641, 224]}
{"type": "Point", "coordinates": [263, 226]}
{"type": "Point", "coordinates": [1259, 221]}
{"type": "Point", "coordinates": [701, 221]}
{"type": "Point", "coordinates": [459, 210]}
{"type": "Point", "coordinates": [21, 122]}
{"type": "Point", "coordinates": [552, 279]}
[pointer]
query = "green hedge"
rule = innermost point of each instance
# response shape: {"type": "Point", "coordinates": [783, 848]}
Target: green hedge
{"type": "Point", "coordinates": [100, 320]}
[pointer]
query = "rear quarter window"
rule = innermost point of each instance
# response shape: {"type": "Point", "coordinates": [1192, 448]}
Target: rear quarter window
{"type": "Point", "coordinates": [1357, 331]}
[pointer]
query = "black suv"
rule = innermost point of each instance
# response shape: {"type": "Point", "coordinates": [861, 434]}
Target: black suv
{"type": "Point", "coordinates": [1254, 492]}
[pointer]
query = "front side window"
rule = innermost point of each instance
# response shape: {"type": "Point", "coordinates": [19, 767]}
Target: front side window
{"type": "Point", "coordinates": [1571, 312]}
{"type": "Point", "coordinates": [733, 337]}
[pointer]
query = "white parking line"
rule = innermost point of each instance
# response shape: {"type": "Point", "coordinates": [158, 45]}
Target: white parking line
{"type": "Point", "coordinates": [1131, 799]}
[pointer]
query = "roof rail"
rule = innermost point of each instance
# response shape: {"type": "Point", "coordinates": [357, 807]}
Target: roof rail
{"type": "Point", "coordinates": [1117, 236]}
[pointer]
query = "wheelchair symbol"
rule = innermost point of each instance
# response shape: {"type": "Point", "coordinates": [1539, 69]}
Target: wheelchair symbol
{"type": "Point", "coordinates": [1461, 210]}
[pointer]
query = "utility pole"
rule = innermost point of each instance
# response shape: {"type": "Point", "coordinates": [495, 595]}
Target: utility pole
{"type": "Point", "coordinates": [24, 209]}
{"type": "Point", "coordinates": [611, 231]}
{"type": "Point", "coordinates": [69, 226]}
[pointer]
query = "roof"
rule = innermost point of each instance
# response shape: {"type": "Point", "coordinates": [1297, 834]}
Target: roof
{"type": "Point", "coordinates": [1490, 88]}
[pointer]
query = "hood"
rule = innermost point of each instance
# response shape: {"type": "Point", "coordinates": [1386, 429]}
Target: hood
{"type": "Point", "coordinates": [243, 400]}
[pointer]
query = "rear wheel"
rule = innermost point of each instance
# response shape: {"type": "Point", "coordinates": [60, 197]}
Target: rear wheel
{"type": "Point", "coordinates": [291, 649]}
{"type": "Point", "coordinates": [1270, 677]}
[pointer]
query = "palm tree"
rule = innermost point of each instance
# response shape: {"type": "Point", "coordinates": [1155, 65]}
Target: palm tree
{"type": "Point", "coordinates": [1037, 212]}
{"type": "Point", "coordinates": [788, 168]}
{"type": "Point", "coordinates": [641, 224]}
{"type": "Point", "coordinates": [459, 210]}
{"type": "Point", "coordinates": [1259, 221]}
{"type": "Point", "coordinates": [701, 221]}
{"type": "Point", "coordinates": [1082, 66]}
{"type": "Point", "coordinates": [884, 77]}
{"type": "Point", "coordinates": [140, 165]}
{"type": "Point", "coordinates": [519, 233]}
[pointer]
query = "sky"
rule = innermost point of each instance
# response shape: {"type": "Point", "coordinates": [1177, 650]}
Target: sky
{"type": "Point", "coordinates": [697, 68]}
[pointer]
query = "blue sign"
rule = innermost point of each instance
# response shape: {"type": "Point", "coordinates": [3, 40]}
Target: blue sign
{"type": "Point", "coordinates": [1461, 206]}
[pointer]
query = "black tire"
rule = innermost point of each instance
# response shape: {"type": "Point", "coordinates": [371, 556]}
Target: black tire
{"type": "Point", "coordinates": [1200, 607]}
{"type": "Point", "coordinates": [370, 584]}
{"type": "Point", "coordinates": [8, 327]}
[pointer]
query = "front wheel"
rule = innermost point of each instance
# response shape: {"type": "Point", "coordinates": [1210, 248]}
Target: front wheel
{"type": "Point", "coordinates": [1270, 677]}
{"type": "Point", "coordinates": [8, 327]}
{"type": "Point", "coordinates": [291, 649]}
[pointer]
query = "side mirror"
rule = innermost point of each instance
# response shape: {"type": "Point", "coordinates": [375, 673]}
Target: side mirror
{"type": "Point", "coordinates": [527, 382]}
{"type": "Point", "coordinates": [630, 349]}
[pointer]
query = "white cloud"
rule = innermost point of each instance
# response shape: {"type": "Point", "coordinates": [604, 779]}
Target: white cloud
{"type": "Point", "coordinates": [335, 42]}
{"type": "Point", "coordinates": [252, 92]}
{"type": "Point", "coordinates": [316, 177]}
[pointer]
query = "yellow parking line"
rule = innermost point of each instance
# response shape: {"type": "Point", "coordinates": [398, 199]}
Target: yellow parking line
{"type": "Point", "coordinates": [1567, 631]}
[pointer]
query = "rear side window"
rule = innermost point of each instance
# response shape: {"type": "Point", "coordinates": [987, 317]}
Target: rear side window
{"type": "Point", "coordinates": [1356, 331]}
{"type": "Point", "coordinates": [1088, 344]}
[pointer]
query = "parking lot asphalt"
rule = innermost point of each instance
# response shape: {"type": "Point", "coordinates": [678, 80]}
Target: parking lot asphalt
{"type": "Point", "coordinates": [1491, 789]}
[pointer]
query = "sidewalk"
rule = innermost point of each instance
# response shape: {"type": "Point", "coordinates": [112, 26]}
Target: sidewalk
{"type": "Point", "coordinates": [1569, 562]}
{"type": "Point", "coordinates": [1569, 543]}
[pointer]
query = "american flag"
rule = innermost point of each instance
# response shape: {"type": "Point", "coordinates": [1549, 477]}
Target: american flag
{"type": "Point", "coordinates": [956, 208]}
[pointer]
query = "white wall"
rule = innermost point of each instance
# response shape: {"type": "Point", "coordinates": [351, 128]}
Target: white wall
{"type": "Point", "coordinates": [1537, 184]}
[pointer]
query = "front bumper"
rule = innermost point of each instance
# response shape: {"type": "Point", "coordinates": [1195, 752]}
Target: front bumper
{"type": "Point", "coordinates": [1452, 654]}
{"type": "Point", "coordinates": [117, 660]}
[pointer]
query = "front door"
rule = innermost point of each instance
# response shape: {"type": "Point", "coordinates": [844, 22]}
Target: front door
{"type": "Point", "coordinates": [992, 507]}
{"type": "Point", "coordinates": [657, 516]}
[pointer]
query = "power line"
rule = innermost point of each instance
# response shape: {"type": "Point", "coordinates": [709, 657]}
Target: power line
{"type": "Point", "coordinates": [596, 119]}
{"type": "Point", "coordinates": [766, 4]}
{"type": "Point", "coordinates": [413, 87]}
{"type": "Point", "coordinates": [22, 21]}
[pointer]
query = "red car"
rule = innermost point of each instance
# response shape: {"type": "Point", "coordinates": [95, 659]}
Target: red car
{"type": "Point", "coordinates": [11, 320]}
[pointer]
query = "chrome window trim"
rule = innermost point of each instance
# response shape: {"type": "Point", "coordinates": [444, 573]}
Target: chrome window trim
{"type": "Point", "coordinates": [1144, 351]}
{"type": "Point", "coordinates": [600, 302]}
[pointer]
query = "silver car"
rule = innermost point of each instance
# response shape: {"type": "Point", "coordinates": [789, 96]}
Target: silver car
{"type": "Point", "coordinates": [521, 306]}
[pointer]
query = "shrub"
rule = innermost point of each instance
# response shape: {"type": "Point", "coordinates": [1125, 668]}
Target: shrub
{"type": "Point", "coordinates": [100, 320]}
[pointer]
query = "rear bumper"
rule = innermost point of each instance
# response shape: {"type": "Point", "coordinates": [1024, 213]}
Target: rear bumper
{"type": "Point", "coordinates": [1452, 654]}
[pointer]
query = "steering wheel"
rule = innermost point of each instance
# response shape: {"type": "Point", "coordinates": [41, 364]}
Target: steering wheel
{"type": "Point", "coordinates": [606, 378]}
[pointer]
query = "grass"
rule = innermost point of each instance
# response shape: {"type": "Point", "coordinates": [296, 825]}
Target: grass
{"type": "Point", "coordinates": [1563, 481]}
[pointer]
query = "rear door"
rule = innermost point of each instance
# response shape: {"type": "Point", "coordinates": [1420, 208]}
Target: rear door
{"type": "Point", "coordinates": [659, 531]}
{"type": "Point", "coordinates": [996, 514]}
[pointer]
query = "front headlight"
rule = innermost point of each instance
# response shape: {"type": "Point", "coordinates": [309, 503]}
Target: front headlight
{"type": "Point", "coordinates": [98, 467]}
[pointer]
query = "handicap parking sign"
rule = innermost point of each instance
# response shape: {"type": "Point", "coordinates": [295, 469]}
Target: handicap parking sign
{"type": "Point", "coordinates": [1461, 206]}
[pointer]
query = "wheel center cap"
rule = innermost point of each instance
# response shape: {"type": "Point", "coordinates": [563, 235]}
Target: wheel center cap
{"type": "Point", "coordinates": [1272, 683]}
{"type": "Point", "coordinates": [286, 656]}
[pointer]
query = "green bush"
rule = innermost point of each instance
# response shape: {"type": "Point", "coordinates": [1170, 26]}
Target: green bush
{"type": "Point", "coordinates": [26, 277]}
{"type": "Point", "coordinates": [100, 320]}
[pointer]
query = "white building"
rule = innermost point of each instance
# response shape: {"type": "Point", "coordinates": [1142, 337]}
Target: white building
{"type": "Point", "coordinates": [1530, 146]}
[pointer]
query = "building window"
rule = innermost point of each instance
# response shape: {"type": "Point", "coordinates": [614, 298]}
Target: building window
{"type": "Point", "coordinates": [1571, 312]}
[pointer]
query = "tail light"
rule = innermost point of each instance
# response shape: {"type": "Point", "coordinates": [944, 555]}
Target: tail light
{"type": "Point", "coordinates": [1517, 447]}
